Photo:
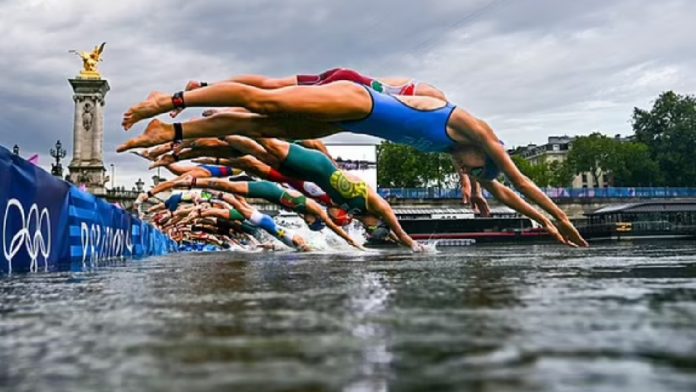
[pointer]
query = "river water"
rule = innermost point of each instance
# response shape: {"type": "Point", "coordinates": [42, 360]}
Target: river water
{"type": "Point", "coordinates": [619, 316]}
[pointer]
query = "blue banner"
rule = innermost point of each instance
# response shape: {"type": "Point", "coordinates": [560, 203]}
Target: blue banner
{"type": "Point", "coordinates": [49, 225]}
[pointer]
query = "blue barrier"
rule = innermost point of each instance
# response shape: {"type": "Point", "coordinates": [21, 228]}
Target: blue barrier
{"type": "Point", "coordinates": [554, 193]}
{"type": "Point", "coordinates": [49, 225]}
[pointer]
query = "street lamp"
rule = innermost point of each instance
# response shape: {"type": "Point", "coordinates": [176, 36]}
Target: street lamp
{"type": "Point", "coordinates": [139, 185]}
{"type": "Point", "coordinates": [15, 149]}
{"type": "Point", "coordinates": [58, 153]}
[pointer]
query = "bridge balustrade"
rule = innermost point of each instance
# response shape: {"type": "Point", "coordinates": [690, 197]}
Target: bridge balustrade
{"type": "Point", "coordinates": [554, 193]}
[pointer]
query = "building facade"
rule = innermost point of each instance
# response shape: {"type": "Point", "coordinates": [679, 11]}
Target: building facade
{"type": "Point", "coordinates": [556, 150]}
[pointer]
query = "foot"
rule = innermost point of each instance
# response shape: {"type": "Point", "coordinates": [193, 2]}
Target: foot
{"type": "Point", "coordinates": [165, 160]}
{"type": "Point", "coordinates": [155, 152]}
{"type": "Point", "coordinates": [156, 103]}
{"type": "Point", "coordinates": [142, 154]}
{"type": "Point", "coordinates": [156, 133]}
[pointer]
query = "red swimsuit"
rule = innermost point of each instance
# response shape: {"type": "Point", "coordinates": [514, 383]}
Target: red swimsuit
{"type": "Point", "coordinates": [336, 74]}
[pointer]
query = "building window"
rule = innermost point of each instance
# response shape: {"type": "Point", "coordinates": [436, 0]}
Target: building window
{"type": "Point", "coordinates": [556, 147]}
{"type": "Point", "coordinates": [584, 178]}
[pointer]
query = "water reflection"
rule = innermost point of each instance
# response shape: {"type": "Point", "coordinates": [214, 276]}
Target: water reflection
{"type": "Point", "coordinates": [478, 318]}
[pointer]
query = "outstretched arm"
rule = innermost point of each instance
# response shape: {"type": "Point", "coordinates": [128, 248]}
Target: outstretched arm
{"type": "Point", "coordinates": [387, 214]}
{"type": "Point", "coordinates": [478, 202]}
{"type": "Point", "coordinates": [483, 135]}
{"type": "Point", "coordinates": [510, 199]}
{"type": "Point", "coordinates": [463, 182]}
{"type": "Point", "coordinates": [315, 209]}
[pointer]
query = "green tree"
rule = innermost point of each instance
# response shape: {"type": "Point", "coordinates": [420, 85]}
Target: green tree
{"type": "Point", "coordinates": [438, 170]}
{"type": "Point", "coordinates": [561, 174]}
{"type": "Point", "coordinates": [669, 130]}
{"type": "Point", "coordinates": [399, 166]}
{"type": "Point", "coordinates": [545, 174]}
{"type": "Point", "coordinates": [632, 165]}
{"type": "Point", "coordinates": [591, 154]}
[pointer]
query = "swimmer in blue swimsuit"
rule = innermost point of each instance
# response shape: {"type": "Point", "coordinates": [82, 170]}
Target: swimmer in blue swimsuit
{"type": "Point", "coordinates": [308, 112]}
{"type": "Point", "coordinates": [198, 171]}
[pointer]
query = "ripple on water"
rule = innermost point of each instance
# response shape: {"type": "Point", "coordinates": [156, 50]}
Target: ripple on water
{"type": "Point", "coordinates": [539, 317]}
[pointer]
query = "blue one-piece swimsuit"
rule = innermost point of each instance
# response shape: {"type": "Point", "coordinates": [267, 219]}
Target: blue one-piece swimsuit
{"type": "Point", "coordinates": [391, 119]}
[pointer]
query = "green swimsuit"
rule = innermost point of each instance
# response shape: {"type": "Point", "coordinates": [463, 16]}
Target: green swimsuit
{"type": "Point", "coordinates": [275, 194]}
{"type": "Point", "coordinates": [312, 165]}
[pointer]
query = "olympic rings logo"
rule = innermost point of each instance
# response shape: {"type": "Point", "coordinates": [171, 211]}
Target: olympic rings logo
{"type": "Point", "coordinates": [103, 243]}
{"type": "Point", "coordinates": [35, 243]}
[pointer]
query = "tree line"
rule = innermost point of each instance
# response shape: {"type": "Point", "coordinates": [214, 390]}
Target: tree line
{"type": "Point", "coordinates": [662, 152]}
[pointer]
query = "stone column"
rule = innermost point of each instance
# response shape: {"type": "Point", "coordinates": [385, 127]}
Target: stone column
{"type": "Point", "coordinates": [77, 141]}
{"type": "Point", "coordinates": [87, 165]}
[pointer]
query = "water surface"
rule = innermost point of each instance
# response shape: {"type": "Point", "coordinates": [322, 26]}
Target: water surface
{"type": "Point", "coordinates": [619, 316]}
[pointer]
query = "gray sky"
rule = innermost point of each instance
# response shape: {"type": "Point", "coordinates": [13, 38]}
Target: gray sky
{"type": "Point", "coordinates": [531, 68]}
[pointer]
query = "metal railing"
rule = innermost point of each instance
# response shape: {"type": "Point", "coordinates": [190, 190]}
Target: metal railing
{"type": "Point", "coordinates": [554, 193]}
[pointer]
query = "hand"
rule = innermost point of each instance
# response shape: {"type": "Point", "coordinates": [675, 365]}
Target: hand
{"type": "Point", "coordinates": [358, 246]}
{"type": "Point", "coordinates": [553, 232]}
{"type": "Point", "coordinates": [479, 203]}
{"type": "Point", "coordinates": [570, 233]}
{"type": "Point", "coordinates": [417, 248]}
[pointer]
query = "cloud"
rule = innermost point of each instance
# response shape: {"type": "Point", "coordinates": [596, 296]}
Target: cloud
{"type": "Point", "coordinates": [531, 68]}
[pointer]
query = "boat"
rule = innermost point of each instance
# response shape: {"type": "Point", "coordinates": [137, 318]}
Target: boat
{"type": "Point", "coordinates": [644, 220]}
{"type": "Point", "coordinates": [504, 225]}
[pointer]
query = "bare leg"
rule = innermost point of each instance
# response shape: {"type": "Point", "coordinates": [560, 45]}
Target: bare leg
{"type": "Point", "coordinates": [278, 148]}
{"type": "Point", "coordinates": [182, 172]}
{"type": "Point", "coordinates": [248, 163]}
{"type": "Point", "coordinates": [333, 102]}
{"type": "Point", "coordinates": [179, 169]}
{"type": "Point", "coordinates": [228, 123]}
{"type": "Point", "coordinates": [238, 188]}
{"type": "Point", "coordinates": [249, 146]}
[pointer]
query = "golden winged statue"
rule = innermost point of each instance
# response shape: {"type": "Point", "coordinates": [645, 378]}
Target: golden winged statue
{"type": "Point", "coordinates": [90, 62]}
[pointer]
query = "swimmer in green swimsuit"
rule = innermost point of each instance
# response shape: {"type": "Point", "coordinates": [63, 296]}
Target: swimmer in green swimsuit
{"type": "Point", "coordinates": [238, 210]}
{"type": "Point", "coordinates": [347, 191]}
{"type": "Point", "coordinates": [311, 211]}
